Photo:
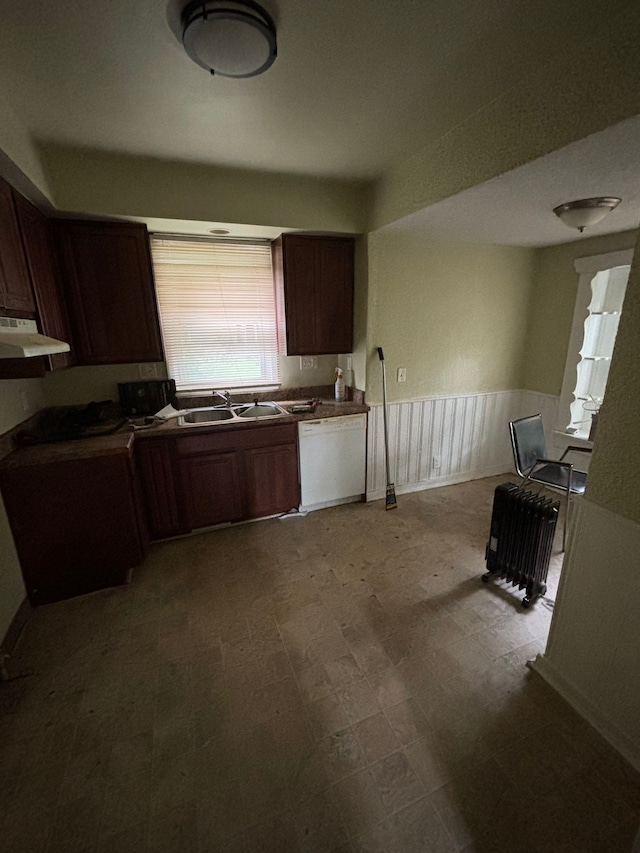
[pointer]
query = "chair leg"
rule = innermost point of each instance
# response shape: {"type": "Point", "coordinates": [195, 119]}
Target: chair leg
{"type": "Point", "coordinates": [566, 522]}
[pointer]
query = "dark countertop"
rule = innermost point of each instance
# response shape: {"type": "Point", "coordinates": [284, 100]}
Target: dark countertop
{"type": "Point", "coordinates": [325, 409]}
{"type": "Point", "coordinates": [123, 440]}
{"type": "Point", "coordinates": [64, 451]}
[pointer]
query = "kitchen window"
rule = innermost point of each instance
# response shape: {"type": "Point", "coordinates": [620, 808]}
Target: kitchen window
{"type": "Point", "coordinates": [601, 290]}
{"type": "Point", "coordinates": [217, 312]}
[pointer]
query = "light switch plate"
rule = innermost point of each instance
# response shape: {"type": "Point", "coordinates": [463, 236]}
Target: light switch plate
{"type": "Point", "coordinates": [308, 362]}
{"type": "Point", "coordinates": [402, 374]}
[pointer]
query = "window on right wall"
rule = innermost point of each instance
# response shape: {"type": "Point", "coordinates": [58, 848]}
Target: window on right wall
{"type": "Point", "coordinates": [601, 289]}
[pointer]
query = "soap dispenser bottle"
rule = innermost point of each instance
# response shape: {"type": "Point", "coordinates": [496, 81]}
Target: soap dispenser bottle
{"type": "Point", "coordinates": [339, 387]}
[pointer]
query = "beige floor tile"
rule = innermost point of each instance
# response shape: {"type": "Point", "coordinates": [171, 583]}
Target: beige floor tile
{"type": "Point", "coordinates": [397, 782]}
{"type": "Point", "coordinates": [407, 721]}
{"type": "Point", "coordinates": [327, 716]}
{"type": "Point", "coordinates": [359, 701]}
{"type": "Point", "coordinates": [359, 801]}
{"type": "Point", "coordinates": [342, 754]}
{"type": "Point", "coordinates": [338, 682]}
{"type": "Point", "coordinates": [376, 737]}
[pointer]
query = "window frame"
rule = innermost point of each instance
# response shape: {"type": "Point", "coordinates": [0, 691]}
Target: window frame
{"type": "Point", "coordinates": [586, 268]}
{"type": "Point", "coordinates": [186, 387]}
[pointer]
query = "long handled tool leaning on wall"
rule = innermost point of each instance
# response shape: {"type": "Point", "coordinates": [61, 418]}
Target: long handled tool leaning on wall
{"type": "Point", "coordinates": [390, 500]}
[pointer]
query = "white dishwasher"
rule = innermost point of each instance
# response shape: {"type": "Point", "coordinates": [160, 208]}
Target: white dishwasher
{"type": "Point", "coordinates": [332, 460]}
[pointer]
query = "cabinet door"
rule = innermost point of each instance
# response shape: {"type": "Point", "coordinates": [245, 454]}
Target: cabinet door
{"type": "Point", "coordinates": [160, 488]}
{"type": "Point", "coordinates": [212, 488]}
{"type": "Point", "coordinates": [37, 239]}
{"type": "Point", "coordinates": [109, 283]}
{"type": "Point", "coordinates": [315, 275]}
{"type": "Point", "coordinates": [334, 297]}
{"type": "Point", "coordinates": [74, 524]}
{"type": "Point", "coordinates": [15, 285]}
{"type": "Point", "coordinates": [299, 271]}
{"type": "Point", "coordinates": [272, 482]}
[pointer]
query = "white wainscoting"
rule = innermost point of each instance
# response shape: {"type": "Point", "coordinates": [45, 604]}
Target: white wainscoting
{"type": "Point", "coordinates": [468, 434]}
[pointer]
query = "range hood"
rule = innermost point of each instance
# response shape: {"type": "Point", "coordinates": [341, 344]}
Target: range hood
{"type": "Point", "coordinates": [20, 339]}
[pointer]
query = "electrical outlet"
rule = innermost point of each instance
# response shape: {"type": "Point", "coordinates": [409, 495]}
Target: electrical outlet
{"type": "Point", "coordinates": [402, 374]}
{"type": "Point", "coordinates": [349, 362]}
{"type": "Point", "coordinates": [435, 463]}
{"type": "Point", "coordinates": [308, 362]}
{"type": "Point", "coordinates": [147, 370]}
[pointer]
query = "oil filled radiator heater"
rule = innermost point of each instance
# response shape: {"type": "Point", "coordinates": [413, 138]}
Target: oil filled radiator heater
{"type": "Point", "coordinates": [523, 524]}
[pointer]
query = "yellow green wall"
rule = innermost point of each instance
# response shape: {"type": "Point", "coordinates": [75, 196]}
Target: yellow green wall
{"type": "Point", "coordinates": [452, 314]}
{"type": "Point", "coordinates": [614, 473]}
{"type": "Point", "coordinates": [555, 285]}
{"type": "Point", "coordinates": [566, 100]}
{"type": "Point", "coordinates": [20, 161]}
{"type": "Point", "coordinates": [103, 183]}
{"type": "Point", "coordinates": [15, 394]}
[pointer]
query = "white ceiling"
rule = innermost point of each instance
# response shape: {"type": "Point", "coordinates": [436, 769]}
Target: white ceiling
{"type": "Point", "coordinates": [517, 208]}
{"type": "Point", "coordinates": [357, 84]}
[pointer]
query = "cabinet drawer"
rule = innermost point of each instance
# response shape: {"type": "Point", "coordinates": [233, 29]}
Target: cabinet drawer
{"type": "Point", "coordinates": [237, 439]}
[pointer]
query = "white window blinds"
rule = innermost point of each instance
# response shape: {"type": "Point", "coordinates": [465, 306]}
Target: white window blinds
{"type": "Point", "coordinates": [217, 311]}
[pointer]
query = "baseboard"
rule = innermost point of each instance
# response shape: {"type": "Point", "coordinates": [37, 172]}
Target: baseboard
{"type": "Point", "coordinates": [435, 482]}
{"type": "Point", "coordinates": [325, 504]}
{"type": "Point", "coordinates": [8, 643]}
{"type": "Point", "coordinates": [618, 740]}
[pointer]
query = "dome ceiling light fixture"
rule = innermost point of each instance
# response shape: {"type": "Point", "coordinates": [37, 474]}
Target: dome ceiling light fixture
{"type": "Point", "coordinates": [586, 211]}
{"type": "Point", "coordinates": [230, 38]}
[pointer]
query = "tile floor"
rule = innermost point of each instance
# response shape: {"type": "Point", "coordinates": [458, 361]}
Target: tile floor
{"type": "Point", "coordinates": [342, 682]}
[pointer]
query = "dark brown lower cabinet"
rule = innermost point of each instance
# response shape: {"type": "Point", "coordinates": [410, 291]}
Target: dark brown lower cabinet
{"type": "Point", "coordinates": [200, 479]}
{"type": "Point", "coordinates": [212, 487]}
{"type": "Point", "coordinates": [75, 522]}
{"type": "Point", "coordinates": [158, 473]}
{"type": "Point", "coordinates": [271, 480]}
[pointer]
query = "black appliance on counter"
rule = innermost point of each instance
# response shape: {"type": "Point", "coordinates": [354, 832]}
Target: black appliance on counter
{"type": "Point", "coordinates": [65, 423]}
{"type": "Point", "coordinates": [146, 397]}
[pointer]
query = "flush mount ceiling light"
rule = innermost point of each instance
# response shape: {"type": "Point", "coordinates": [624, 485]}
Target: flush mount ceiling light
{"type": "Point", "coordinates": [229, 38]}
{"type": "Point", "coordinates": [585, 212]}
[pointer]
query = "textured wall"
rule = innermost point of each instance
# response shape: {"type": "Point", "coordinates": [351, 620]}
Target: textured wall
{"type": "Point", "coordinates": [564, 101]}
{"type": "Point", "coordinates": [452, 314]}
{"type": "Point", "coordinates": [99, 182]}
{"type": "Point", "coordinates": [594, 643]}
{"type": "Point", "coordinates": [12, 591]}
{"type": "Point", "coordinates": [19, 156]}
{"type": "Point", "coordinates": [554, 296]}
{"type": "Point", "coordinates": [615, 471]}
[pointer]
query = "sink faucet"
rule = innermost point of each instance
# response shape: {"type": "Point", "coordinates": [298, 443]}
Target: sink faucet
{"type": "Point", "coordinates": [226, 396]}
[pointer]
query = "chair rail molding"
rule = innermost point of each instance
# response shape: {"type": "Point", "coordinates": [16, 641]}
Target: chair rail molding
{"type": "Point", "coordinates": [437, 441]}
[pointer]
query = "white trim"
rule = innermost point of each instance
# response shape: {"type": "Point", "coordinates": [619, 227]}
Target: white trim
{"type": "Point", "coordinates": [591, 713]}
{"type": "Point", "coordinates": [326, 504]}
{"type": "Point", "coordinates": [598, 263]}
{"type": "Point", "coordinates": [587, 268]}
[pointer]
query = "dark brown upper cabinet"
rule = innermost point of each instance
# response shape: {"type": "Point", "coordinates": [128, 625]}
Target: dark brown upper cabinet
{"type": "Point", "coordinates": [108, 281]}
{"type": "Point", "coordinates": [314, 287]}
{"type": "Point", "coordinates": [37, 239]}
{"type": "Point", "coordinates": [15, 285]}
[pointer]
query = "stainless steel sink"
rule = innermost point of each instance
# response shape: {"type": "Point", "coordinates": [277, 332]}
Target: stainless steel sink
{"type": "Point", "coordinates": [205, 416]}
{"type": "Point", "coordinates": [261, 410]}
{"type": "Point", "coordinates": [237, 414]}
